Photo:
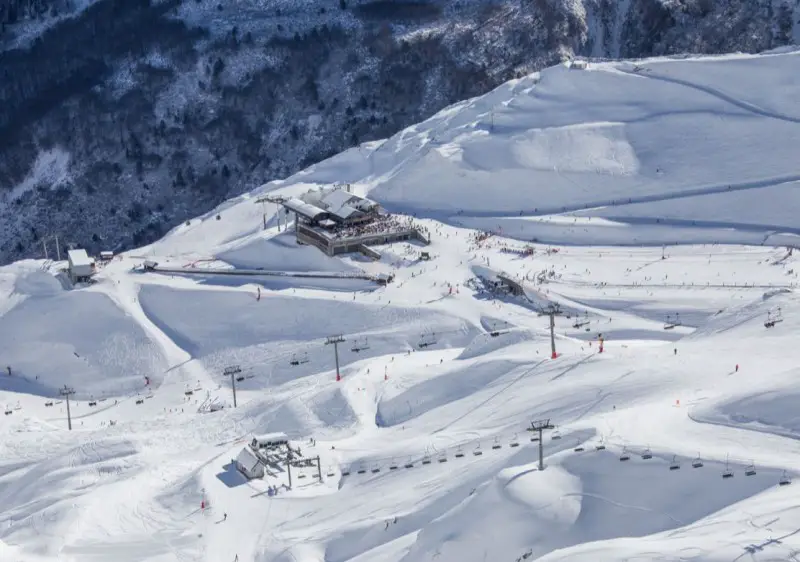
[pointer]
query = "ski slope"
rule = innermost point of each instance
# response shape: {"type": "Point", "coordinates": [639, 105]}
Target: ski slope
{"type": "Point", "coordinates": [660, 199]}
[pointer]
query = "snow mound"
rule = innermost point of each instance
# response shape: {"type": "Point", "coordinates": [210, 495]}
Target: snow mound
{"type": "Point", "coordinates": [90, 344]}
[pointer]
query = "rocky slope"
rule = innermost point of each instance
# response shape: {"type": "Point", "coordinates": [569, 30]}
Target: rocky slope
{"type": "Point", "coordinates": [121, 118]}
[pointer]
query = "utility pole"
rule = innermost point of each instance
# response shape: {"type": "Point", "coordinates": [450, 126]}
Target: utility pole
{"type": "Point", "coordinates": [232, 371]}
{"type": "Point", "coordinates": [552, 315]}
{"type": "Point", "coordinates": [335, 340]}
{"type": "Point", "coordinates": [540, 425]}
{"type": "Point", "coordinates": [319, 469]}
{"type": "Point", "coordinates": [66, 392]}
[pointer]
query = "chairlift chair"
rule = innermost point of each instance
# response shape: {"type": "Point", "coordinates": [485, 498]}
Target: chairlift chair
{"type": "Point", "coordinates": [459, 453]}
{"type": "Point", "coordinates": [360, 345]}
{"type": "Point", "coordinates": [393, 465]}
{"type": "Point", "coordinates": [727, 473]}
{"type": "Point", "coordinates": [443, 457]}
{"type": "Point", "coordinates": [579, 448]}
{"type": "Point", "coordinates": [750, 470]}
{"type": "Point", "coordinates": [362, 469]}
{"type": "Point", "coordinates": [346, 471]}
{"type": "Point", "coordinates": [478, 451]}
{"type": "Point", "coordinates": [294, 362]}
{"type": "Point", "coordinates": [555, 435]}
{"type": "Point", "coordinates": [534, 438]}
{"type": "Point", "coordinates": [646, 454]}
{"type": "Point", "coordinates": [697, 462]}
{"type": "Point", "coordinates": [376, 469]}
{"type": "Point", "coordinates": [496, 444]}
{"type": "Point", "coordinates": [301, 475]}
{"type": "Point", "coordinates": [240, 378]}
{"type": "Point", "coordinates": [426, 460]}
{"type": "Point", "coordinates": [624, 456]}
{"type": "Point", "coordinates": [675, 464]}
{"type": "Point", "coordinates": [785, 480]}
{"type": "Point", "coordinates": [409, 464]}
{"type": "Point", "coordinates": [514, 442]}
{"type": "Point", "coordinates": [600, 446]}
{"type": "Point", "coordinates": [330, 472]}
{"type": "Point", "coordinates": [426, 340]}
{"type": "Point", "coordinates": [668, 325]}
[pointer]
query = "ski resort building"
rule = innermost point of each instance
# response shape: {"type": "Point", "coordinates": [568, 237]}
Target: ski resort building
{"type": "Point", "coordinates": [339, 222]}
{"type": "Point", "coordinates": [81, 266]}
{"type": "Point", "coordinates": [269, 441]}
{"type": "Point", "coordinates": [249, 464]}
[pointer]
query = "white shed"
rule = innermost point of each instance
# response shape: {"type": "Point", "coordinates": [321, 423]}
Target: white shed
{"type": "Point", "coordinates": [81, 266]}
{"type": "Point", "coordinates": [249, 464]}
{"type": "Point", "coordinates": [578, 65]}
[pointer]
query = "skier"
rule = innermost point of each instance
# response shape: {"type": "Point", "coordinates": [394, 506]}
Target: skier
{"type": "Point", "coordinates": [224, 516]}
{"type": "Point", "coordinates": [676, 351]}
{"type": "Point", "coordinates": [258, 297]}
{"type": "Point", "coordinates": [737, 367]}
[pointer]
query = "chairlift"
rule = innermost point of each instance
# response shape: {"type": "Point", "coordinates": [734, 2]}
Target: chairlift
{"type": "Point", "coordinates": [360, 345]}
{"type": "Point", "coordinates": [579, 448]}
{"type": "Point", "coordinates": [496, 444]}
{"type": "Point", "coordinates": [301, 475]}
{"type": "Point", "coordinates": [478, 451]}
{"type": "Point", "coordinates": [240, 378]}
{"type": "Point", "coordinates": [534, 438]}
{"type": "Point", "coordinates": [750, 470]}
{"type": "Point", "coordinates": [376, 469]}
{"type": "Point", "coordinates": [697, 462]}
{"type": "Point", "coordinates": [669, 324]}
{"type": "Point", "coordinates": [459, 453]}
{"type": "Point", "coordinates": [188, 392]}
{"type": "Point", "coordinates": [514, 442]}
{"type": "Point", "coordinates": [581, 323]}
{"type": "Point", "coordinates": [362, 469]}
{"type": "Point", "coordinates": [727, 473]}
{"type": "Point", "coordinates": [409, 464]}
{"type": "Point", "coordinates": [331, 473]}
{"type": "Point", "coordinates": [555, 435]}
{"type": "Point", "coordinates": [443, 457]}
{"type": "Point", "coordinates": [50, 403]}
{"type": "Point", "coordinates": [601, 446]}
{"type": "Point", "coordinates": [624, 456]}
{"type": "Point", "coordinates": [393, 465]}
{"type": "Point", "coordinates": [295, 361]}
{"type": "Point", "coordinates": [785, 480]}
{"type": "Point", "coordinates": [675, 464]}
{"type": "Point", "coordinates": [9, 412]}
{"type": "Point", "coordinates": [427, 340]}
{"type": "Point", "coordinates": [426, 460]}
{"type": "Point", "coordinates": [646, 454]}
{"type": "Point", "coordinates": [92, 403]}
{"type": "Point", "coordinates": [346, 471]}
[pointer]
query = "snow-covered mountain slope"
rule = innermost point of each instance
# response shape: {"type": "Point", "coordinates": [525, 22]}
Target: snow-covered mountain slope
{"type": "Point", "coordinates": [120, 120]}
{"type": "Point", "coordinates": [423, 447]}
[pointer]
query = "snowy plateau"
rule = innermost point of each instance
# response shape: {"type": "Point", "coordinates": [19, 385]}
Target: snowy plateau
{"type": "Point", "coordinates": [653, 203]}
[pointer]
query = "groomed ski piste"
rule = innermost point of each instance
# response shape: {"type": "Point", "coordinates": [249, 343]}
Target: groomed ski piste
{"type": "Point", "coordinates": [660, 198]}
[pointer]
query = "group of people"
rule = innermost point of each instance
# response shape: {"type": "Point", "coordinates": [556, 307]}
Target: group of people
{"type": "Point", "coordinates": [388, 224]}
